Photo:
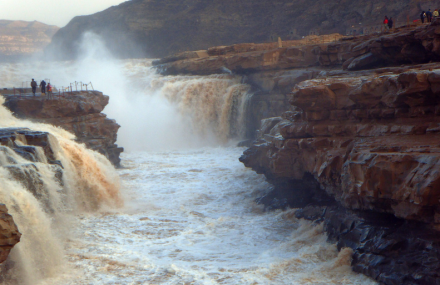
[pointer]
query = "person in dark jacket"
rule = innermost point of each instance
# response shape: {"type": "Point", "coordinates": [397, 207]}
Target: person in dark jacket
{"type": "Point", "coordinates": [43, 86]}
{"type": "Point", "coordinates": [422, 16]}
{"type": "Point", "coordinates": [390, 23]}
{"type": "Point", "coordinates": [429, 16]}
{"type": "Point", "coordinates": [34, 86]}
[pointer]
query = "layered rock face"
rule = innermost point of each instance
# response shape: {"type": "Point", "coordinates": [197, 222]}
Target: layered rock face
{"type": "Point", "coordinates": [370, 141]}
{"type": "Point", "coordinates": [77, 112]}
{"type": "Point", "coordinates": [367, 143]}
{"type": "Point", "coordinates": [9, 234]}
{"type": "Point", "coordinates": [21, 38]}
{"type": "Point", "coordinates": [157, 28]}
{"type": "Point", "coordinates": [406, 45]}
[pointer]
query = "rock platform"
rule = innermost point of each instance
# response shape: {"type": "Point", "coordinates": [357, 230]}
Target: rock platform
{"type": "Point", "coordinates": [77, 112]}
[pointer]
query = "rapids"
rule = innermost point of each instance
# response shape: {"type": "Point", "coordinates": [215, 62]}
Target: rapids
{"type": "Point", "coordinates": [182, 210]}
{"type": "Point", "coordinates": [189, 218]}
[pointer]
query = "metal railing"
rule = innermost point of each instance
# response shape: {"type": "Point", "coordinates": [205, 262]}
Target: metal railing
{"type": "Point", "coordinates": [57, 92]}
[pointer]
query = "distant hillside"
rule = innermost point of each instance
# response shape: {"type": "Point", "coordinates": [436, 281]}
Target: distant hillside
{"type": "Point", "coordinates": [157, 28]}
{"type": "Point", "coordinates": [21, 38]}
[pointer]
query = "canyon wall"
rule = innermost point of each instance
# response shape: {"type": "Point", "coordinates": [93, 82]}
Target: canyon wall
{"type": "Point", "coordinates": [368, 144]}
{"type": "Point", "coordinates": [153, 28]}
{"type": "Point", "coordinates": [77, 112]}
{"type": "Point", "coordinates": [349, 136]}
{"type": "Point", "coordinates": [21, 38]}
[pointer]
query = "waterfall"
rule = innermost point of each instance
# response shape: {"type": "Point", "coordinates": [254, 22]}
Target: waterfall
{"type": "Point", "coordinates": [41, 196]}
{"type": "Point", "coordinates": [154, 111]}
{"type": "Point", "coordinates": [215, 104]}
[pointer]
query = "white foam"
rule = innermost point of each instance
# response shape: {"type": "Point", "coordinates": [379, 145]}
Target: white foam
{"type": "Point", "coordinates": [190, 218]}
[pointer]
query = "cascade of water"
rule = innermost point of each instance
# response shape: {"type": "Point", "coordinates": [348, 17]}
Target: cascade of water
{"type": "Point", "coordinates": [40, 196]}
{"type": "Point", "coordinates": [214, 103]}
{"type": "Point", "coordinates": [154, 111]}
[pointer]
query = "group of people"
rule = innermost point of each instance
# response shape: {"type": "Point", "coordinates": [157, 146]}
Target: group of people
{"type": "Point", "coordinates": [428, 15]}
{"type": "Point", "coordinates": [388, 23]}
{"type": "Point", "coordinates": [425, 15]}
{"type": "Point", "coordinates": [43, 86]}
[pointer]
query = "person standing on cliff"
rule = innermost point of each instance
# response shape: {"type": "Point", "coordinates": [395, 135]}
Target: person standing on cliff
{"type": "Point", "coordinates": [34, 86]}
{"type": "Point", "coordinates": [422, 17]}
{"type": "Point", "coordinates": [49, 91]}
{"type": "Point", "coordinates": [390, 23]}
{"type": "Point", "coordinates": [429, 16]}
{"type": "Point", "coordinates": [435, 13]}
{"type": "Point", "coordinates": [43, 87]}
{"type": "Point", "coordinates": [385, 22]}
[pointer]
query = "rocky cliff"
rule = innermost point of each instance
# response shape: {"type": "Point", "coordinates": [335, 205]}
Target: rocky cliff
{"type": "Point", "coordinates": [368, 144]}
{"type": "Point", "coordinates": [405, 45]}
{"type": "Point", "coordinates": [77, 112]}
{"type": "Point", "coordinates": [350, 137]}
{"type": "Point", "coordinates": [21, 38]}
{"type": "Point", "coordinates": [157, 28]}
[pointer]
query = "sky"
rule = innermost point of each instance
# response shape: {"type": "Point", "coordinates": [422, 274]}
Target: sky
{"type": "Point", "coordinates": [52, 12]}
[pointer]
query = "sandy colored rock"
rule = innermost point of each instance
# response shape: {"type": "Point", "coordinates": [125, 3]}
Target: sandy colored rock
{"type": "Point", "coordinates": [21, 38]}
{"type": "Point", "coordinates": [371, 142]}
{"type": "Point", "coordinates": [9, 234]}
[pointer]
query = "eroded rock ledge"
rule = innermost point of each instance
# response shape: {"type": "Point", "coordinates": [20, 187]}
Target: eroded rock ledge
{"type": "Point", "coordinates": [77, 112]}
{"type": "Point", "coordinates": [407, 45]}
{"type": "Point", "coordinates": [366, 151]}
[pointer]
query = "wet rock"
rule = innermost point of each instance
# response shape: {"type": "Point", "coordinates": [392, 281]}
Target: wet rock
{"type": "Point", "coordinates": [369, 170]}
{"type": "Point", "coordinates": [363, 62]}
{"type": "Point", "coordinates": [9, 234]}
{"type": "Point", "coordinates": [341, 140]}
{"type": "Point", "coordinates": [246, 143]}
{"type": "Point", "coordinates": [390, 250]}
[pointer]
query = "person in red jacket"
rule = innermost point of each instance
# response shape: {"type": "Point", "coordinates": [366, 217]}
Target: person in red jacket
{"type": "Point", "coordinates": [385, 23]}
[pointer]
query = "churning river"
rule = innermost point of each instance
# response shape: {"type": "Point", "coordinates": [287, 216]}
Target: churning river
{"type": "Point", "coordinates": [190, 218]}
{"type": "Point", "coordinates": [188, 213]}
